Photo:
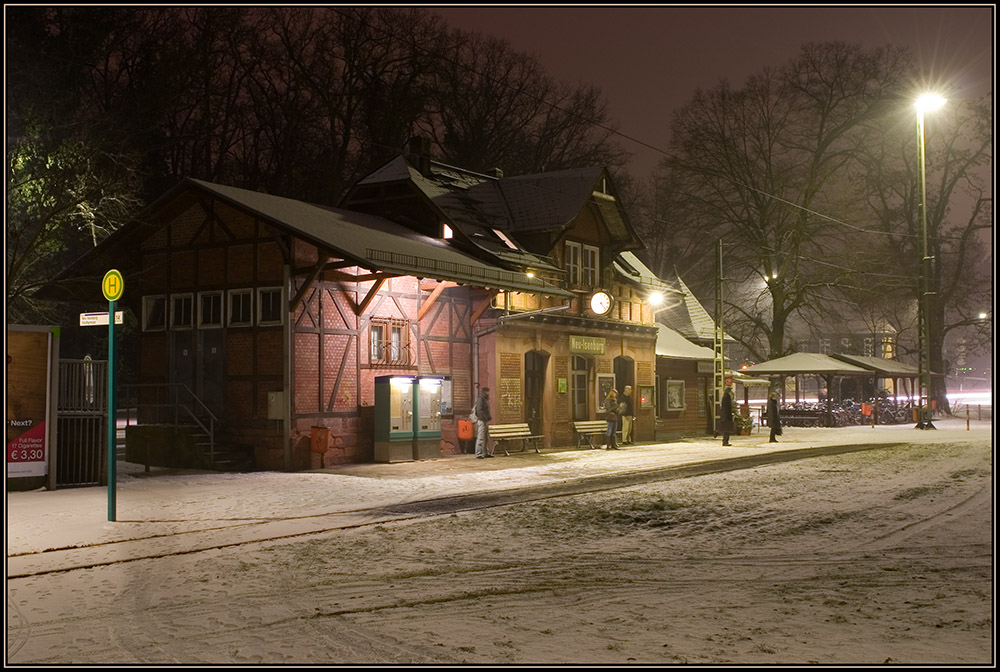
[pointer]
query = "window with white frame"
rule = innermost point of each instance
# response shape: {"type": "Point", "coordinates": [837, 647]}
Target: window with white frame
{"type": "Point", "coordinates": [869, 347]}
{"type": "Point", "coordinates": [240, 308]}
{"type": "Point", "coordinates": [572, 263]}
{"type": "Point", "coordinates": [803, 346]}
{"type": "Point", "coordinates": [590, 264]}
{"type": "Point", "coordinates": [269, 306]}
{"type": "Point", "coordinates": [209, 310]}
{"type": "Point", "coordinates": [154, 313]}
{"type": "Point", "coordinates": [181, 311]}
{"type": "Point", "coordinates": [824, 346]}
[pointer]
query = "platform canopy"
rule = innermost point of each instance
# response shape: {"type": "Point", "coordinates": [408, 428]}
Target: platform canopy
{"type": "Point", "coordinates": [806, 363]}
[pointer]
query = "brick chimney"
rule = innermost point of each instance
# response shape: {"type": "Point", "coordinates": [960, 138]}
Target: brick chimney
{"type": "Point", "coordinates": [420, 154]}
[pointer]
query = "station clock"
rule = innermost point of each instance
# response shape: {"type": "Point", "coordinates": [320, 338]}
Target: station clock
{"type": "Point", "coordinates": [601, 302]}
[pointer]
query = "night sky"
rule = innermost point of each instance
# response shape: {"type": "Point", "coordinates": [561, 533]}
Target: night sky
{"type": "Point", "coordinates": [649, 61]}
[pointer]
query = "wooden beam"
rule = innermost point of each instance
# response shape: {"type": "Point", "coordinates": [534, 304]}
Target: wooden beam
{"type": "Point", "coordinates": [313, 274]}
{"type": "Point", "coordinates": [426, 305]}
{"type": "Point", "coordinates": [370, 296]}
{"type": "Point", "coordinates": [481, 308]}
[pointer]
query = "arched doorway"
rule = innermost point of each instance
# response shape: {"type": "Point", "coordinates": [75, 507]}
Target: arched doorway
{"type": "Point", "coordinates": [624, 374]}
{"type": "Point", "coordinates": [535, 363]}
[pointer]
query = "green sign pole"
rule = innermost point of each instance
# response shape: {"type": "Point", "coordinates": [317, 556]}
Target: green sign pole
{"type": "Point", "coordinates": [112, 417]}
{"type": "Point", "coordinates": [113, 287]}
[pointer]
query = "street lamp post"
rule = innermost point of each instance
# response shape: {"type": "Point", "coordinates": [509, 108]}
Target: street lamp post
{"type": "Point", "coordinates": [925, 103]}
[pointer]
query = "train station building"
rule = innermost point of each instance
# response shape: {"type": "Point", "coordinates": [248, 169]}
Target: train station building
{"type": "Point", "coordinates": [273, 322]}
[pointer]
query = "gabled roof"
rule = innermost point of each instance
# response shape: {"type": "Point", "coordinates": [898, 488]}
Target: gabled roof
{"type": "Point", "coordinates": [689, 317]}
{"type": "Point", "coordinates": [671, 344]}
{"type": "Point", "coordinates": [806, 362]}
{"type": "Point", "coordinates": [478, 204]}
{"type": "Point", "coordinates": [369, 241]}
{"type": "Point", "coordinates": [630, 266]}
{"type": "Point", "coordinates": [884, 367]}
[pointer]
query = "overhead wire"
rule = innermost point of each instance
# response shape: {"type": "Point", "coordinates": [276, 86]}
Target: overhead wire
{"type": "Point", "coordinates": [616, 132]}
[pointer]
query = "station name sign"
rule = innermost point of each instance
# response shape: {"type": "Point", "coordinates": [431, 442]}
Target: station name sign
{"type": "Point", "coordinates": [589, 345]}
{"type": "Point", "coordinates": [100, 319]}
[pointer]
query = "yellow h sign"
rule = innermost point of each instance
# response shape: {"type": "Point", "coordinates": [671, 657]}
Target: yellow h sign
{"type": "Point", "coordinates": [113, 285]}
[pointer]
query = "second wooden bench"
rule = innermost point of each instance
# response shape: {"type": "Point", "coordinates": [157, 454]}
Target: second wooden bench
{"type": "Point", "coordinates": [504, 434]}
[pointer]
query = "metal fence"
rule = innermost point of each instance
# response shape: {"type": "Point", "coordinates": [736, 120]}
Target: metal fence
{"type": "Point", "coordinates": [81, 416]}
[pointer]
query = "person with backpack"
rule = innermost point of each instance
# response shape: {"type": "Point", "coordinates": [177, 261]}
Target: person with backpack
{"type": "Point", "coordinates": [481, 416]}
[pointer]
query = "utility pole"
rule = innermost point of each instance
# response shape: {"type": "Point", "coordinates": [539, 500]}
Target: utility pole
{"type": "Point", "coordinates": [719, 379]}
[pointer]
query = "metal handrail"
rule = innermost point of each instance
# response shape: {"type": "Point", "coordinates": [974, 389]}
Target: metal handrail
{"type": "Point", "coordinates": [174, 402]}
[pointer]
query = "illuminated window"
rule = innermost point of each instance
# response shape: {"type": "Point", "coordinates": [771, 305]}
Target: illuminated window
{"type": "Point", "coordinates": [502, 236]}
{"type": "Point", "coordinates": [446, 231]}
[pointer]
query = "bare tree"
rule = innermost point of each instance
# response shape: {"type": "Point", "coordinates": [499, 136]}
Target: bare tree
{"type": "Point", "coordinates": [959, 216]}
{"type": "Point", "coordinates": [762, 167]}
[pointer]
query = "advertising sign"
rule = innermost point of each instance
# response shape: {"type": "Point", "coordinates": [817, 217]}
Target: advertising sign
{"type": "Point", "coordinates": [28, 356]}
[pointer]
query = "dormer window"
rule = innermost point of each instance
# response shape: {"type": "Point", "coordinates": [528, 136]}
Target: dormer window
{"type": "Point", "coordinates": [502, 236]}
{"type": "Point", "coordinates": [572, 263]}
{"type": "Point", "coordinates": [590, 265]}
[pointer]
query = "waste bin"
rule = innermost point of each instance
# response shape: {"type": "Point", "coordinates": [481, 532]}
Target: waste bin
{"type": "Point", "coordinates": [319, 441]}
{"type": "Point", "coordinates": [466, 435]}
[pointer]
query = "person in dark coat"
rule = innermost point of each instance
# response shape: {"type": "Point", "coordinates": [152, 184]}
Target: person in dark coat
{"type": "Point", "coordinates": [483, 418]}
{"type": "Point", "coordinates": [726, 420]}
{"type": "Point", "coordinates": [612, 408]}
{"type": "Point", "coordinates": [773, 416]}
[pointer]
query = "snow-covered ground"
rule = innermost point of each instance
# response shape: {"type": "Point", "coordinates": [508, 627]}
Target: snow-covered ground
{"type": "Point", "coordinates": [867, 557]}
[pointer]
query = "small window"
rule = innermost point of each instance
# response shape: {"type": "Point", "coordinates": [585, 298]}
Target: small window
{"type": "Point", "coordinates": [154, 313]}
{"type": "Point", "coordinates": [824, 346]}
{"type": "Point", "coordinates": [241, 308]}
{"type": "Point", "coordinates": [388, 342]}
{"type": "Point", "coordinates": [210, 310]}
{"type": "Point", "coordinates": [573, 263]}
{"type": "Point", "coordinates": [446, 231]}
{"type": "Point", "coordinates": [869, 347]}
{"type": "Point", "coordinates": [181, 311]}
{"type": "Point", "coordinates": [507, 241]}
{"type": "Point", "coordinates": [269, 306]}
{"type": "Point", "coordinates": [590, 265]}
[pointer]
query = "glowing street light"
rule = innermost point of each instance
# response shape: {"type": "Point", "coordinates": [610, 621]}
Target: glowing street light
{"type": "Point", "coordinates": [926, 103]}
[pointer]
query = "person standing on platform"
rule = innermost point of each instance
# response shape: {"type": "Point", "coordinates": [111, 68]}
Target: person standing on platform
{"type": "Point", "coordinates": [612, 409]}
{"type": "Point", "coordinates": [628, 416]}
{"type": "Point", "coordinates": [483, 417]}
{"type": "Point", "coordinates": [773, 416]}
{"type": "Point", "coordinates": [726, 419]}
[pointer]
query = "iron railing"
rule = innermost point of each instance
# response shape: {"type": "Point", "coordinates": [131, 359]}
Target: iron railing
{"type": "Point", "coordinates": [172, 404]}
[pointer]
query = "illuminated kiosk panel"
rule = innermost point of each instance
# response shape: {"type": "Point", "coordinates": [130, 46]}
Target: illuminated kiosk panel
{"type": "Point", "coordinates": [427, 433]}
{"type": "Point", "coordinates": [407, 418]}
{"type": "Point", "coordinates": [394, 408]}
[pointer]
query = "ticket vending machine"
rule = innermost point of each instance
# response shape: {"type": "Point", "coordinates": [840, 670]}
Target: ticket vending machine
{"type": "Point", "coordinates": [407, 418]}
{"type": "Point", "coordinates": [427, 433]}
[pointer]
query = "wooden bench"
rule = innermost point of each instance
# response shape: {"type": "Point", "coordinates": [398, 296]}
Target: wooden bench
{"type": "Point", "coordinates": [589, 429]}
{"type": "Point", "coordinates": [504, 434]}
